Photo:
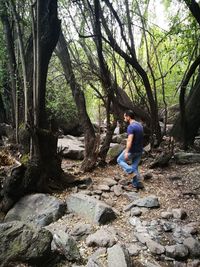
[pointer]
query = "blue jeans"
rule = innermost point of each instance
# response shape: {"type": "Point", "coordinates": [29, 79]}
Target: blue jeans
{"type": "Point", "coordinates": [133, 167]}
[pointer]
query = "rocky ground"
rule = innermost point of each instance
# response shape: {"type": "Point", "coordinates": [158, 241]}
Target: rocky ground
{"type": "Point", "coordinates": [157, 226]}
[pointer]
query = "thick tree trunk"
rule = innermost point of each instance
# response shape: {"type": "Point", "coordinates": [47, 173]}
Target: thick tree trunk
{"type": "Point", "coordinates": [89, 133]}
{"type": "Point", "coordinates": [43, 173]}
{"type": "Point", "coordinates": [186, 128]}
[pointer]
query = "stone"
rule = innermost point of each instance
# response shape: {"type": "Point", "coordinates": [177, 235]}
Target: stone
{"type": "Point", "coordinates": [147, 176]}
{"type": "Point", "coordinates": [39, 209]}
{"type": "Point", "coordinates": [194, 247]}
{"type": "Point", "coordinates": [118, 256]}
{"type": "Point", "coordinates": [24, 242]}
{"type": "Point", "coordinates": [186, 158]}
{"type": "Point", "coordinates": [94, 210]}
{"type": "Point", "coordinates": [190, 228]}
{"type": "Point", "coordinates": [101, 238]}
{"type": "Point", "coordinates": [98, 258]}
{"type": "Point", "coordinates": [166, 215]}
{"type": "Point", "coordinates": [134, 221]}
{"type": "Point", "coordinates": [65, 245]}
{"type": "Point", "coordinates": [155, 247]}
{"type": "Point", "coordinates": [81, 229]}
{"type": "Point", "coordinates": [179, 214]}
{"type": "Point", "coordinates": [149, 202]}
{"type": "Point", "coordinates": [178, 252]}
{"type": "Point", "coordinates": [136, 211]}
{"type": "Point", "coordinates": [109, 181]}
{"type": "Point", "coordinates": [117, 189]}
{"type": "Point", "coordinates": [133, 249]}
{"type": "Point", "coordinates": [114, 152]}
{"type": "Point", "coordinates": [194, 263]}
{"type": "Point", "coordinates": [142, 237]}
{"type": "Point", "coordinates": [103, 187]}
{"type": "Point", "coordinates": [73, 147]}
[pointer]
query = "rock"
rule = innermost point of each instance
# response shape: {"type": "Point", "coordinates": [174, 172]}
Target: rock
{"type": "Point", "coordinates": [109, 181]}
{"type": "Point", "coordinates": [133, 249]}
{"type": "Point", "coordinates": [179, 214]}
{"type": "Point", "coordinates": [135, 221]}
{"type": "Point", "coordinates": [155, 247]}
{"type": "Point", "coordinates": [117, 189]}
{"type": "Point", "coordinates": [131, 195]}
{"type": "Point", "coordinates": [148, 176]}
{"type": "Point", "coordinates": [142, 237]}
{"type": "Point", "coordinates": [98, 258]}
{"type": "Point", "coordinates": [91, 208]}
{"type": "Point", "coordinates": [74, 148]}
{"type": "Point", "coordinates": [136, 211]}
{"type": "Point", "coordinates": [194, 263]}
{"type": "Point", "coordinates": [103, 187]}
{"type": "Point", "coordinates": [114, 152]}
{"type": "Point", "coordinates": [194, 247]}
{"type": "Point", "coordinates": [101, 238]}
{"type": "Point", "coordinates": [178, 252]}
{"type": "Point", "coordinates": [65, 245]}
{"type": "Point", "coordinates": [186, 158]}
{"type": "Point", "coordinates": [39, 209]}
{"type": "Point", "coordinates": [190, 228]}
{"type": "Point", "coordinates": [119, 138]}
{"type": "Point", "coordinates": [166, 215]}
{"type": "Point", "coordinates": [118, 256]}
{"type": "Point", "coordinates": [149, 202]}
{"type": "Point", "coordinates": [167, 226]}
{"type": "Point", "coordinates": [24, 242]}
{"type": "Point", "coordinates": [81, 230]}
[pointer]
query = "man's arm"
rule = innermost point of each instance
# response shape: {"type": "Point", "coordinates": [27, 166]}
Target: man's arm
{"type": "Point", "coordinates": [128, 145]}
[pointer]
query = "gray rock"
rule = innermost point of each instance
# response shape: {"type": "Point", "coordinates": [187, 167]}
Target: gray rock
{"type": "Point", "coordinates": [92, 209]}
{"type": "Point", "coordinates": [136, 211]}
{"type": "Point", "coordinates": [194, 247]}
{"type": "Point", "coordinates": [81, 230]}
{"type": "Point", "coordinates": [134, 221]}
{"type": "Point", "coordinates": [103, 187]}
{"type": "Point", "coordinates": [133, 249]}
{"type": "Point", "coordinates": [98, 258]}
{"type": "Point", "coordinates": [178, 252]}
{"type": "Point", "coordinates": [114, 152]}
{"type": "Point", "coordinates": [149, 202]}
{"type": "Point", "coordinates": [119, 138]}
{"type": "Point", "coordinates": [148, 176]}
{"type": "Point", "coordinates": [23, 242]}
{"type": "Point", "coordinates": [194, 263]}
{"type": "Point", "coordinates": [142, 237]}
{"type": "Point", "coordinates": [166, 215]}
{"type": "Point", "coordinates": [190, 228]}
{"type": "Point", "coordinates": [65, 245]}
{"type": "Point", "coordinates": [109, 181]}
{"type": "Point", "coordinates": [117, 189]}
{"type": "Point", "coordinates": [39, 209]}
{"type": "Point", "coordinates": [74, 148]}
{"type": "Point", "coordinates": [101, 238]}
{"type": "Point", "coordinates": [155, 247]}
{"type": "Point", "coordinates": [179, 214]}
{"type": "Point", "coordinates": [131, 195]}
{"type": "Point", "coordinates": [118, 256]}
{"type": "Point", "coordinates": [187, 158]}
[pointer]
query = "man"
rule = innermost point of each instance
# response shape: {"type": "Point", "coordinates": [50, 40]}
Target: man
{"type": "Point", "coordinates": [133, 151]}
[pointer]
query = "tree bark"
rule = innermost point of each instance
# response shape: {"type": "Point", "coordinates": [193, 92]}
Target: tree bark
{"type": "Point", "coordinates": [89, 133]}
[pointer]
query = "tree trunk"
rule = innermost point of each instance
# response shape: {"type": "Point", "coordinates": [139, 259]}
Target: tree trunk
{"type": "Point", "coordinates": [43, 173]}
{"type": "Point", "coordinates": [89, 133]}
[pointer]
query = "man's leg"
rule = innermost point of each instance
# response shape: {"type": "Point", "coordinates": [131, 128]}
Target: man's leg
{"type": "Point", "coordinates": [122, 162]}
{"type": "Point", "coordinates": [135, 162]}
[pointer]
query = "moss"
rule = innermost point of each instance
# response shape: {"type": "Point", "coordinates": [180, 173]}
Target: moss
{"type": "Point", "coordinates": [24, 159]}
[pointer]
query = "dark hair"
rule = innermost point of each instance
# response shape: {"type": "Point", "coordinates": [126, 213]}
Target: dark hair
{"type": "Point", "coordinates": [130, 113]}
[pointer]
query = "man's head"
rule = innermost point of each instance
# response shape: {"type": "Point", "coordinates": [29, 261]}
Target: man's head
{"type": "Point", "coordinates": [128, 116]}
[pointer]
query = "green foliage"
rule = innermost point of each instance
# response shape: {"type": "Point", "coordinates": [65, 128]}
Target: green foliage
{"type": "Point", "coordinates": [59, 101]}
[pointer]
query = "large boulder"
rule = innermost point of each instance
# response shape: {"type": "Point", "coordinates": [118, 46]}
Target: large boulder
{"type": "Point", "coordinates": [113, 152]}
{"type": "Point", "coordinates": [73, 147]}
{"type": "Point", "coordinates": [23, 242]}
{"type": "Point", "coordinates": [118, 256]}
{"type": "Point", "coordinates": [39, 209]}
{"type": "Point", "coordinates": [187, 158]}
{"type": "Point", "coordinates": [90, 208]}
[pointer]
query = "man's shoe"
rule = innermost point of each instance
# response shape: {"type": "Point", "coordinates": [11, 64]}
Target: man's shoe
{"type": "Point", "coordinates": [140, 185]}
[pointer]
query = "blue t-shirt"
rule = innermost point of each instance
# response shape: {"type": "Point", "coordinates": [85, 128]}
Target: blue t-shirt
{"type": "Point", "coordinates": [136, 129]}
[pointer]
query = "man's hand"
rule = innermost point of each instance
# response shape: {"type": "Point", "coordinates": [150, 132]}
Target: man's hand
{"type": "Point", "coordinates": [126, 156]}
